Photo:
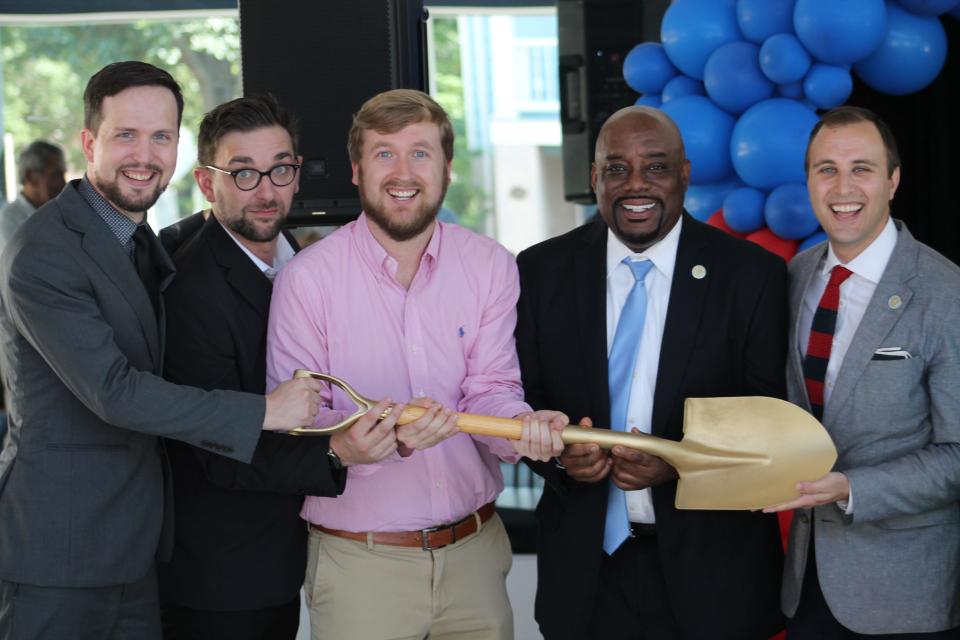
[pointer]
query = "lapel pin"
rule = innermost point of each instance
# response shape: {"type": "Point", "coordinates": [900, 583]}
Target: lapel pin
{"type": "Point", "coordinates": [894, 302]}
{"type": "Point", "coordinates": [699, 272]}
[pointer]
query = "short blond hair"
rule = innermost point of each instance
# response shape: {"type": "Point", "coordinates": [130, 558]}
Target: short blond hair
{"type": "Point", "coordinates": [391, 111]}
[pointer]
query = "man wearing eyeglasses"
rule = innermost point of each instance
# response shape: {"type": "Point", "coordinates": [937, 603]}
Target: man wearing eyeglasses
{"type": "Point", "coordinates": [240, 546]}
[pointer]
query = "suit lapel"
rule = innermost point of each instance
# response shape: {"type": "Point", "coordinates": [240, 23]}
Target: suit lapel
{"type": "Point", "coordinates": [590, 277]}
{"type": "Point", "coordinates": [877, 321]}
{"type": "Point", "coordinates": [684, 315]}
{"type": "Point", "coordinates": [798, 292]}
{"type": "Point", "coordinates": [105, 250]}
{"type": "Point", "coordinates": [243, 276]}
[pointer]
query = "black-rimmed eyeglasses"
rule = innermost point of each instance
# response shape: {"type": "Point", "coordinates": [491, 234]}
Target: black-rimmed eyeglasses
{"type": "Point", "coordinates": [249, 179]}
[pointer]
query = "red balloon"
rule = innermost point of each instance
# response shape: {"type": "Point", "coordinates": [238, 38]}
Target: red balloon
{"type": "Point", "coordinates": [767, 239]}
{"type": "Point", "coordinates": [716, 220]}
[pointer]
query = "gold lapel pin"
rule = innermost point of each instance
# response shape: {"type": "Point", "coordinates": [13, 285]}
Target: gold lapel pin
{"type": "Point", "coordinates": [894, 302]}
{"type": "Point", "coordinates": [699, 272]}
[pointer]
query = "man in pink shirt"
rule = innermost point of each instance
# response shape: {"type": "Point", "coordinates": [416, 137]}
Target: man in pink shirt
{"type": "Point", "coordinates": [405, 307]}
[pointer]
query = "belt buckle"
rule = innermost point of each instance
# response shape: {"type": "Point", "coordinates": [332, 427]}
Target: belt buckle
{"type": "Point", "coordinates": [425, 535]}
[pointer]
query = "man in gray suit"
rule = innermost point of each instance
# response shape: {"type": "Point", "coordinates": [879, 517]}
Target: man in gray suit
{"type": "Point", "coordinates": [874, 352]}
{"type": "Point", "coordinates": [83, 475]}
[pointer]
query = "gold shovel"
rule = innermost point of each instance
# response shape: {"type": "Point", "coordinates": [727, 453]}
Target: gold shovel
{"type": "Point", "coordinates": [736, 453]}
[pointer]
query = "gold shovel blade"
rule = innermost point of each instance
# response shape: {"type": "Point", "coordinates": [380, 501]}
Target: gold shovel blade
{"type": "Point", "coordinates": [773, 444]}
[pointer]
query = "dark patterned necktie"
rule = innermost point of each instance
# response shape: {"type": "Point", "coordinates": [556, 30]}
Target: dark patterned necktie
{"type": "Point", "coordinates": [147, 270]}
{"type": "Point", "coordinates": [821, 339]}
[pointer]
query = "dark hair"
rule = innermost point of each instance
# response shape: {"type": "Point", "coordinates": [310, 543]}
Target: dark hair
{"type": "Point", "coordinates": [391, 111]}
{"type": "Point", "coordinates": [119, 76]}
{"type": "Point", "coordinates": [242, 114]}
{"type": "Point", "coordinates": [37, 157]}
{"type": "Point", "coordinates": [847, 115]}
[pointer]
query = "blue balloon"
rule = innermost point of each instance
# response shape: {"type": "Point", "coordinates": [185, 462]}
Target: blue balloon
{"type": "Point", "coordinates": [647, 68]}
{"type": "Point", "coordinates": [815, 239]}
{"type": "Point", "coordinates": [792, 90]}
{"type": "Point", "coordinates": [840, 32]}
{"type": "Point", "coordinates": [693, 29]}
{"type": "Point", "coordinates": [760, 19]}
{"type": "Point", "coordinates": [788, 212]}
{"type": "Point", "coordinates": [705, 129]}
{"type": "Point", "coordinates": [733, 78]}
{"type": "Point", "coordinates": [682, 86]}
{"type": "Point", "coordinates": [743, 209]}
{"type": "Point", "coordinates": [702, 200]}
{"type": "Point", "coordinates": [930, 7]}
{"type": "Point", "coordinates": [783, 59]}
{"type": "Point", "coordinates": [827, 86]}
{"type": "Point", "coordinates": [769, 141]}
{"type": "Point", "coordinates": [648, 101]}
{"type": "Point", "coordinates": [910, 57]}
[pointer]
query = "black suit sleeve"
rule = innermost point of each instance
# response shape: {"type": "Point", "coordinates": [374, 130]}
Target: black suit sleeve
{"type": "Point", "coordinates": [527, 350]}
{"type": "Point", "coordinates": [213, 343]}
{"type": "Point", "coordinates": [766, 349]}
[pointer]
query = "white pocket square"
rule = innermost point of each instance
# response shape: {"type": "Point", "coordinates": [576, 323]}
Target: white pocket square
{"type": "Point", "coordinates": [892, 353]}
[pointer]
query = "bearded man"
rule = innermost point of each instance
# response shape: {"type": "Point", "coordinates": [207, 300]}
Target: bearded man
{"type": "Point", "coordinates": [84, 487]}
{"type": "Point", "coordinates": [406, 307]}
{"type": "Point", "coordinates": [240, 548]}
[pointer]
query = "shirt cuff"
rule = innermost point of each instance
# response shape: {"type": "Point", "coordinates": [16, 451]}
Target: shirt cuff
{"type": "Point", "coordinates": [847, 505]}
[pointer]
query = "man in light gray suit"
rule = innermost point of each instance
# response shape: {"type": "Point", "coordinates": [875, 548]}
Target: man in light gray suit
{"type": "Point", "coordinates": [83, 475]}
{"type": "Point", "coordinates": [874, 352]}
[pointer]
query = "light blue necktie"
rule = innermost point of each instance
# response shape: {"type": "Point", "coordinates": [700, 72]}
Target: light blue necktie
{"type": "Point", "coordinates": [620, 366]}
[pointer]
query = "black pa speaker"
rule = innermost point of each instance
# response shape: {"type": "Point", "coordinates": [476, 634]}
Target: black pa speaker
{"type": "Point", "coordinates": [322, 61]}
{"type": "Point", "coordinates": [594, 36]}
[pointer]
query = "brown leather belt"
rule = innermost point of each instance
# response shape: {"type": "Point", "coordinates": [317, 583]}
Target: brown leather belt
{"type": "Point", "coordinates": [426, 539]}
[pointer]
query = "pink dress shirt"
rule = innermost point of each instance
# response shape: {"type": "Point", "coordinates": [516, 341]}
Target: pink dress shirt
{"type": "Point", "coordinates": [338, 308]}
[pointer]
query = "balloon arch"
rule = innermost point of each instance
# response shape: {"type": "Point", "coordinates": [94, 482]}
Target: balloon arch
{"type": "Point", "coordinates": [744, 79]}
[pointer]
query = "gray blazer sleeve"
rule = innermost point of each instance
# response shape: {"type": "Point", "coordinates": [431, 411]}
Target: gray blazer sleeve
{"type": "Point", "coordinates": [62, 313]}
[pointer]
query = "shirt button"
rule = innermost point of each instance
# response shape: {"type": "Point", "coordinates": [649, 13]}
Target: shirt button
{"type": "Point", "coordinates": [413, 348]}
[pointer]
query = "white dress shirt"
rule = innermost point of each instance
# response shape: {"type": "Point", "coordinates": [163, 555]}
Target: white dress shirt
{"type": "Point", "coordinates": [283, 255]}
{"type": "Point", "coordinates": [855, 294]}
{"type": "Point", "coordinates": [657, 283]}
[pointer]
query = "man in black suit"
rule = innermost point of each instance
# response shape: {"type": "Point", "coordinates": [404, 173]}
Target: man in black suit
{"type": "Point", "coordinates": [240, 547]}
{"type": "Point", "coordinates": [714, 324]}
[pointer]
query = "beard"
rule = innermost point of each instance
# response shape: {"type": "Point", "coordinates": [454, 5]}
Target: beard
{"type": "Point", "coordinates": [133, 203]}
{"type": "Point", "coordinates": [399, 230]}
{"type": "Point", "coordinates": [246, 228]}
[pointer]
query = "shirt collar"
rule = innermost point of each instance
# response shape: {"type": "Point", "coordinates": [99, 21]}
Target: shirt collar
{"type": "Point", "coordinates": [378, 257]}
{"type": "Point", "coordinates": [284, 251]}
{"type": "Point", "coordinates": [25, 202]}
{"type": "Point", "coordinates": [663, 254]}
{"type": "Point", "coordinates": [872, 261]}
{"type": "Point", "coordinates": [121, 226]}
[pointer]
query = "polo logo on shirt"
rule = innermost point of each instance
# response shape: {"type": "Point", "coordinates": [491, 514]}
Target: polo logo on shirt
{"type": "Point", "coordinates": [461, 332]}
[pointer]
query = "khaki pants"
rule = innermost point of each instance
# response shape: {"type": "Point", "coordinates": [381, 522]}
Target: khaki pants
{"type": "Point", "coordinates": [380, 592]}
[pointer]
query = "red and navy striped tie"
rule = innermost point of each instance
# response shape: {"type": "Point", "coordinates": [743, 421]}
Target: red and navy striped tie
{"type": "Point", "coordinates": [821, 339]}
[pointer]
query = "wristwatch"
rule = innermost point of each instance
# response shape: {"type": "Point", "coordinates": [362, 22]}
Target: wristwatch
{"type": "Point", "coordinates": [335, 462]}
